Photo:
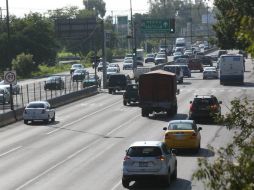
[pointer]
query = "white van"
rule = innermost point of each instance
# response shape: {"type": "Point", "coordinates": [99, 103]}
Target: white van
{"type": "Point", "coordinates": [231, 69]}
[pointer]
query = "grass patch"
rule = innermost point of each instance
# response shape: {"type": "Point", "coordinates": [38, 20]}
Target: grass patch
{"type": "Point", "coordinates": [45, 70]}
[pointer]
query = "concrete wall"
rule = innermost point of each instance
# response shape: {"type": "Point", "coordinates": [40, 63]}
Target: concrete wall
{"type": "Point", "coordinates": [16, 115]}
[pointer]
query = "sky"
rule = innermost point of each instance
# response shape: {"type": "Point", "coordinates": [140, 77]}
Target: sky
{"type": "Point", "coordinates": [113, 7]}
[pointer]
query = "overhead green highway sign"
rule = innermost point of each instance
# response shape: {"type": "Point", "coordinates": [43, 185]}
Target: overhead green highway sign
{"type": "Point", "coordinates": [158, 26]}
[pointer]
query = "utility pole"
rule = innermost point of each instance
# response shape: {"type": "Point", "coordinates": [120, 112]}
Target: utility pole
{"type": "Point", "coordinates": [133, 40]}
{"type": "Point", "coordinates": [165, 35]}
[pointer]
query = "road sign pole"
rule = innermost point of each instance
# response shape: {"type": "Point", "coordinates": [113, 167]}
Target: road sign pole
{"type": "Point", "coordinates": [11, 97]}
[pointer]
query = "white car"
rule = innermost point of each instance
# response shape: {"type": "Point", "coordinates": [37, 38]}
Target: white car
{"type": "Point", "coordinates": [39, 111]}
{"type": "Point", "coordinates": [115, 65]}
{"type": "Point", "coordinates": [15, 87]}
{"type": "Point", "coordinates": [128, 64]}
{"type": "Point", "coordinates": [146, 159]}
{"type": "Point", "coordinates": [210, 72]}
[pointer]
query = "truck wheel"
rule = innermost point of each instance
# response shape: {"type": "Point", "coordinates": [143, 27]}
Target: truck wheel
{"type": "Point", "coordinates": [144, 113]}
{"type": "Point", "coordinates": [124, 102]}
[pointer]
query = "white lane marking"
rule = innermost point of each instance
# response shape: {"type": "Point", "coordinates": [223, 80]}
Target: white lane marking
{"type": "Point", "coordinates": [76, 121]}
{"type": "Point", "coordinates": [116, 185]}
{"type": "Point", "coordinates": [12, 150]}
{"type": "Point", "coordinates": [69, 157]}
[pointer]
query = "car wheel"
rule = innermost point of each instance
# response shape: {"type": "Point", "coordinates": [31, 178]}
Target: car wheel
{"type": "Point", "coordinates": [197, 149]}
{"type": "Point", "coordinates": [25, 121]}
{"type": "Point", "coordinates": [53, 118]}
{"type": "Point", "coordinates": [125, 102]}
{"type": "Point", "coordinates": [125, 183]}
{"type": "Point", "coordinates": [174, 175]}
{"type": "Point", "coordinates": [167, 179]}
{"type": "Point", "coordinates": [144, 113]}
{"type": "Point", "coordinates": [109, 91]}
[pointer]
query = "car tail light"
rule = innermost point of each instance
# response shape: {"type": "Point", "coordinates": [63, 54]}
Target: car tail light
{"type": "Point", "coordinates": [167, 136]}
{"type": "Point", "coordinates": [127, 158]}
{"type": "Point", "coordinates": [191, 107]}
{"type": "Point", "coordinates": [161, 158]}
{"type": "Point", "coordinates": [43, 111]}
{"type": "Point", "coordinates": [213, 107]}
{"type": "Point", "coordinates": [194, 135]}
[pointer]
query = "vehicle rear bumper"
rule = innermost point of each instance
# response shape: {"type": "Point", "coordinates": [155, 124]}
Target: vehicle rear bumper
{"type": "Point", "coordinates": [143, 176]}
{"type": "Point", "coordinates": [231, 78]}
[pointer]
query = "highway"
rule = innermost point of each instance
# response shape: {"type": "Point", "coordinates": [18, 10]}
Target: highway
{"type": "Point", "coordinates": [85, 146]}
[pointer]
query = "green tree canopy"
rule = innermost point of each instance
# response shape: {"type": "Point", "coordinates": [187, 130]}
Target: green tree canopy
{"type": "Point", "coordinates": [233, 167]}
{"type": "Point", "coordinates": [98, 6]}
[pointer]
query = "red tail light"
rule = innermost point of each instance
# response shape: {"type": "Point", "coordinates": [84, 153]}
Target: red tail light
{"type": "Point", "coordinates": [126, 158]}
{"type": "Point", "coordinates": [213, 107]}
{"type": "Point", "coordinates": [43, 111]}
{"type": "Point", "coordinates": [194, 135]}
{"type": "Point", "coordinates": [161, 158]}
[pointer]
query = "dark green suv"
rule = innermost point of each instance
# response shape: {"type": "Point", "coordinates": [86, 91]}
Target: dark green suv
{"type": "Point", "coordinates": [131, 94]}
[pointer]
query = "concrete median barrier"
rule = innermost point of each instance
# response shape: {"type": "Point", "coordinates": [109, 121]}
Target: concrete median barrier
{"type": "Point", "coordinates": [16, 115]}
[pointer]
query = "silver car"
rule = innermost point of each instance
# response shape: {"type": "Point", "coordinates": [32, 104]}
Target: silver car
{"type": "Point", "coordinates": [149, 159]}
{"type": "Point", "coordinates": [210, 72]}
{"type": "Point", "coordinates": [39, 111]}
{"type": "Point", "coordinates": [4, 95]}
{"type": "Point", "coordinates": [15, 87]}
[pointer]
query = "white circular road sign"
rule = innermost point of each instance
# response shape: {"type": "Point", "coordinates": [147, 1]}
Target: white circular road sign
{"type": "Point", "coordinates": [10, 77]}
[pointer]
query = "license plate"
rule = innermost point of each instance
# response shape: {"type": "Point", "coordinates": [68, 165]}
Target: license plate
{"type": "Point", "coordinates": [143, 164]}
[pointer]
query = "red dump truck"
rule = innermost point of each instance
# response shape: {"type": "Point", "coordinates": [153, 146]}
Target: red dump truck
{"type": "Point", "coordinates": [157, 92]}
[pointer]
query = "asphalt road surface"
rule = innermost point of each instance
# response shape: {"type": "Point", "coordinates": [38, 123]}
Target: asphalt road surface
{"type": "Point", "coordinates": [84, 148]}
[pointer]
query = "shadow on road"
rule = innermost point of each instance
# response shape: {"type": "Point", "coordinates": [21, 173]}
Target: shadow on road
{"type": "Point", "coordinates": [164, 117]}
{"type": "Point", "coordinates": [203, 152]}
{"type": "Point", "coordinates": [157, 185]}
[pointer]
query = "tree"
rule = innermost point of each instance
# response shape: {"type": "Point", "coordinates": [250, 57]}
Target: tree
{"type": "Point", "coordinates": [98, 6]}
{"type": "Point", "coordinates": [235, 24]}
{"type": "Point", "coordinates": [233, 169]}
{"type": "Point", "coordinates": [24, 65]}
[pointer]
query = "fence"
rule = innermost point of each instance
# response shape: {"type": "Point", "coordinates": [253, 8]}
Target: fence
{"type": "Point", "coordinates": [44, 90]}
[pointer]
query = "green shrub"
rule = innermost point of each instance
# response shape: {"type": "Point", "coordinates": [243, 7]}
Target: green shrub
{"type": "Point", "coordinates": [24, 65]}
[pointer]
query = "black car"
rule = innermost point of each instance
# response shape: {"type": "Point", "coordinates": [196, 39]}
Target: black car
{"type": "Point", "coordinates": [79, 75]}
{"type": "Point", "coordinates": [117, 82]}
{"type": "Point", "coordinates": [91, 80]}
{"type": "Point", "coordinates": [54, 83]}
{"type": "Point", "coordinates": [204, 107]}
{"type": "Point", "coordinates": [207, 61]}
{"type": "Point", "coordinates": [131, 94]}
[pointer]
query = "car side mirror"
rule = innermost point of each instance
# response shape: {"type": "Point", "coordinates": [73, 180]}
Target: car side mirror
{"type": "Point", "coordinates": [220, 102]}
{"type": "Point", "coordinates": [190, 102]}
{"type": "Point", "coordinates": [164, 128]}
{"type": "Point", "coordinates": [200, 128]}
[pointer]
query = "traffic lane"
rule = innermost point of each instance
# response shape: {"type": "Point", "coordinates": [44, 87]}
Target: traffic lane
{"type": "Point", "coordinates": [148, 124]}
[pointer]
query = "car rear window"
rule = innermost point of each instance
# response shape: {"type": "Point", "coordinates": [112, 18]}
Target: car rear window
{"type": "Point", "coordinates": [37, 105]}
{"type": "Point", "coordinates": [203, 101]}
{"type": "Point", "coordinates": [180, 126]}
{"type": "Point", "coordinates": [144, 151]}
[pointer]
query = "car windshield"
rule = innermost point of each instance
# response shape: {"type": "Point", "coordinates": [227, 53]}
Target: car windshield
{"type": "Point", "coordinates": [209, 69]}
{"type": "Point", "coordinates": [111, 69]}
{"type": "Point", "coordinates": [80, 71]}
{"type": "Point", "coordinates": [35, 105]}
{"type": "Point", "coordinates": [180, 126]}
{"type": "Point", "coordinates": [150, 55]}
{"type": "Point", "coordinates": [144, 152]}
{"type": "Point", "coordinates": [160, 56]}
{"type": "Point", "coordinates": [77, 66]}
{"type": "Point", "coordinates": [53, 79]}
{"type": "Point", "coordinates": [128, 61]}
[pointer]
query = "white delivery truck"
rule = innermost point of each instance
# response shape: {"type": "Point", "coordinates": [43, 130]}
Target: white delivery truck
{"type": "Point", "coordinates": [231, 69]}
